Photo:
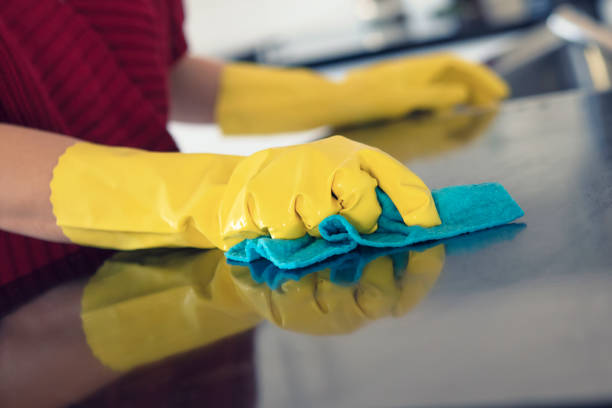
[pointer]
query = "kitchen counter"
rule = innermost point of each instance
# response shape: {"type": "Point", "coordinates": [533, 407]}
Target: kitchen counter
{"type": "Point", "coordinates": [515, 315]}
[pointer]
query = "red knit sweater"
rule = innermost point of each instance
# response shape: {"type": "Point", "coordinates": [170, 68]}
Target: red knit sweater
{"type": "Point", "coordinates": [96, 70]}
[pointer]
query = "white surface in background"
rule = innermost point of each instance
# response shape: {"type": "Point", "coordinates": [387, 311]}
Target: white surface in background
{"type": "Point", "coordinates": [209, 139]}
{"type": "Point", "coordinates": [216, 26]}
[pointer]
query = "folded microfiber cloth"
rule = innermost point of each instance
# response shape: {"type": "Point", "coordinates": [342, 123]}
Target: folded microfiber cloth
{"type": "Point", "coordinates": [346, 269]}
{"type": "Point", "coordinates": [462, 209]}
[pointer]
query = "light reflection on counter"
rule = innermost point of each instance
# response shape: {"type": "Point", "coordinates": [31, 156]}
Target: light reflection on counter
{"type": "Point", "coordinates": [423, 135]}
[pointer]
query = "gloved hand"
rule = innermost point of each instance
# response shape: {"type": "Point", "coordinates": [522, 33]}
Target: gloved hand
{"type": "Point", "coordinates": [258, 99]}
{"type": "Point", "coordinates": [127, 198]}
{"type": "Point", "coordinates": [316, 305]}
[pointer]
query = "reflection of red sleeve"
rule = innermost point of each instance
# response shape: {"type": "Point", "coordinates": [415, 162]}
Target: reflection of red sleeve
{"type": "Point", "coordinates": [178, 45]}
{"type": "Point", "coordinates": [219, 375]}
{"type": "Point", "coordinates": [22, 281]}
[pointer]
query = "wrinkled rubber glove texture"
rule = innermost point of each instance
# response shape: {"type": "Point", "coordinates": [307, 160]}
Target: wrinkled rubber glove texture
{"type": "Point", "coordinates": [259, 99]}
{"type": "Point", "coordinates": [286, 192]}
{"type": "Point", "coordinates": [423, 135]}
{"type": "Point", "coordinates": [128, 198]}
{"type": "Point", "coordinates": [462, 209]}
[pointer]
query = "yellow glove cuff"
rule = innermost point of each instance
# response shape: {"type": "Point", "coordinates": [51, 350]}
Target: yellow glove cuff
{"type": "Point", "coordinates": [128, 198]}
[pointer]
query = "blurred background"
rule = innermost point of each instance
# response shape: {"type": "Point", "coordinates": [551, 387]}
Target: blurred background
{"type": "Point", "coordinates": [538, 46]}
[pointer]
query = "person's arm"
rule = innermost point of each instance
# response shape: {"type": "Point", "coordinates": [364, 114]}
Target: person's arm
{"type": "Point", "coordinates": [27, 159]}
{"type": "Point", "coordinates": [123, 198]}
{"type": "Point", "coordinates": [247, 98]}
{"type": "Point", "coordinates": [28, 156]}
{"type": "Point", "coordinates": [194, 85]}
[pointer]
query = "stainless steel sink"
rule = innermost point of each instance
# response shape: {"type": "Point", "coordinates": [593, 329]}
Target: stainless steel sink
{"type": "Point", "coordinates": [570, 50]}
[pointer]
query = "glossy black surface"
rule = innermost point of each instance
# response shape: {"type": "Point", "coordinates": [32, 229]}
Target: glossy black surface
{"type": "Point", "coordinates": [523, 320]}
{"type": "Point", "coordinates": [518, 315]}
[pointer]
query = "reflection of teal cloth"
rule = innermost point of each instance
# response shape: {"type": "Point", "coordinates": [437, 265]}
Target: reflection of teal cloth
{"type": "Point", "coordinates": [462, 209]}
{"type": "Point", "coordinates": [346, 269]}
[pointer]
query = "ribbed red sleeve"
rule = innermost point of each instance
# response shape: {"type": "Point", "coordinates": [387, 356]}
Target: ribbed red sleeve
{"type": "Point", "coordinates": [93, 69]}
{"type": "Point", "coordinates": [177, 35]}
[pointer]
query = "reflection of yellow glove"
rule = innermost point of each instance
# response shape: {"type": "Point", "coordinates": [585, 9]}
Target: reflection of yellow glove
{"type": "Point", "coordinates": [127, 198]}
{"type": "Point", "coordinates": [141, 307]}
{"type": "Point", "coordinates": [255, 99]}
{"type": "Point", "coordinates": [315, 305]}
{"type": "Point", "coordinates": [422, 136]}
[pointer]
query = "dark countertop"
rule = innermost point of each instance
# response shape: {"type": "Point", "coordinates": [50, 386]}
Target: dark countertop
{"type": "Point", "coordinates": [516, 315]}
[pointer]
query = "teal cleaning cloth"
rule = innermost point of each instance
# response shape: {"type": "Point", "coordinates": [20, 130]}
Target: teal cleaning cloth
{"type": "Point", "coordinates": [462, 209]}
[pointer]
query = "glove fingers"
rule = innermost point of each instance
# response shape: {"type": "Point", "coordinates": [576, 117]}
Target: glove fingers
{"type": "Point", "coordinates": [287, 192]}
{"type": "Point", "coordinates": [485, 85]}
{"type": "Point", "coordinates": [253, 206]}
{"type": "Point", "coordinates": [410, 195]}
{"type": "Point", "coordinates": [289, 195]}
{"type": "Point", "coordinates": [313, 211]}
{"type": "Point", "coordinates": [277, 216]}
{"type": "Point", "coordinates": [355, 191]}
{"type": "Point", "coordinates": [487, 78]}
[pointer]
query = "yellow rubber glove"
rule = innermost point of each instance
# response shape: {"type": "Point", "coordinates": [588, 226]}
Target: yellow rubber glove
{"type": "Point", "coordinates": [128, 198]}
{"type": "Point", "coordinates": [144, 306]}
{"type": "Point", "coordinates": [258, 99]}
{"type": "Point", "coordinates": [315, 305]}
